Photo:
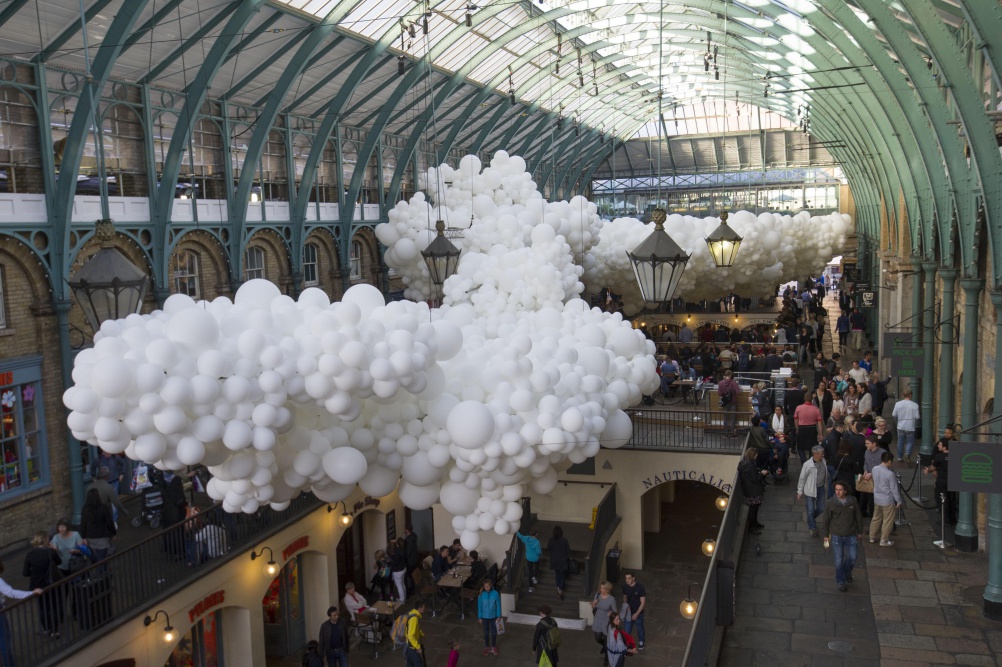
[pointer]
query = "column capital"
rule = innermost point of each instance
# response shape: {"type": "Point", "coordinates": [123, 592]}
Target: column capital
{"type": "Point", "coordinates": [996, 299]}
{"type": "Point", "coordinates": [974, 285]}
{"type": "Point", "coordinates": [929, 266]}
{"type": "Point", "coordinates": [949, 274]}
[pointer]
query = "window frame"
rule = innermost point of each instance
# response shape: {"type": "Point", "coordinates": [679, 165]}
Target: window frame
{"type": "Point", "coordinates": [311, 265]}
{"type": "Point", "coordinates": [259, 271]}
{"type": "Point", "coordinates": [355, 260]}
{"type": "Point", "coordinates": [194, 278]}
{"type": "Point", "coordinates": [17, 374]}
{"type": "Point", "coordinates": [3, 297]}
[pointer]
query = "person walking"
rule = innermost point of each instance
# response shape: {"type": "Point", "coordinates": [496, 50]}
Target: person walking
{"type": "Point", "coordinates": [842, 525]}
{"type": "Point", "coordinates": [635, 596]}
{"type": "Point", "coordinates": [560, 557]}
{"type": "Point", "coordinates": [812, 482]}
{"type": "Point", "coordinates": [97, 525]}
{"type": "Point", "coordinates": [602, 606]}
{"type": "Point", "coordinates": [886, 500]}
{"type": "Point", "coordinates": [906, 412]}
{"type": "Point", "coordinates": [752, 487]}
{"type": "Point", "coordinates": [334, 639]}
{"type": "Point", "coordinates": [398, 568]}
{"type": "Point", "coordinates": [6, 635]}
{"type": "Point", "coordinates": [542, 638]}
{"type": "Point", "coordinates": [810, 427]}
{"type": "Point", "coordinates": [39, 563]}
{"type": "Point", "coordinates": [856, 323]}
{"type": "Point", "coordinates": [616, 646]}
{"type": "Point", "coordinates": [729, 390]}
{"type": "Point", "coordinates": [488, 611]}
{"type": "Point", "coordinates": [414, 642]}
{"type": "Point", "coordinates": [533, 550]}
{"type": "Point", "coordinates": [411, 553]}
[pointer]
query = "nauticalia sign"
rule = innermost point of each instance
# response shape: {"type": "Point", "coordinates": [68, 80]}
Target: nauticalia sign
{"type": "Point", "coordinates": [689, 475]}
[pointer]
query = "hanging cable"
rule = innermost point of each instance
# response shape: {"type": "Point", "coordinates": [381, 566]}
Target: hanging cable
{"type": "Point", "coordinates": [661, 65]}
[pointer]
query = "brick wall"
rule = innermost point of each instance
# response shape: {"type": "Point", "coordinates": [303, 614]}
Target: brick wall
{"type": "Point", "coordinates": [31, 330]}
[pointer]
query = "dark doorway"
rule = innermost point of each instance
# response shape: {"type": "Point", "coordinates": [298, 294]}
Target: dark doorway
{"type": "Point", "coordinates": [351, 559]}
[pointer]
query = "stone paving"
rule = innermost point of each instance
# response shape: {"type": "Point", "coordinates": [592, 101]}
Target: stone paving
{"type": "Point", "coordinates": [910, 605]}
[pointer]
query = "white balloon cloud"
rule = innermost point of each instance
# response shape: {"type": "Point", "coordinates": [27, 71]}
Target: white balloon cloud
{"type": "Point", "coordinates": [469, 404]}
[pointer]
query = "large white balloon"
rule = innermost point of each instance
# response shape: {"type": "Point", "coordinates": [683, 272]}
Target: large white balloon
{"type": "Point", "coordinates": [513, 378]}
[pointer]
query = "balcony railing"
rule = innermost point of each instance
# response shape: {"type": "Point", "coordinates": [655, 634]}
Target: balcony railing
{"type": "Point", "coordinates": [89, 603]}
{"type": "Point", "coordinates": [686, 430]}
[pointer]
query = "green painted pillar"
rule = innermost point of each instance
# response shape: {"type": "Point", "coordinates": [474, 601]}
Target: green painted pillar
{"type": "Point", "coordinates": [947, 339]}
{"type": "Point", "coordinates": [74, 458]}
{"type": "Point", "coordinates": [916, 321]}
{"type": "Point", "coordinates": [928, 386]}
{"type": "Point", "coordinates": [967, 528]}
{"type": "Point", "coordinates": [993, 591]}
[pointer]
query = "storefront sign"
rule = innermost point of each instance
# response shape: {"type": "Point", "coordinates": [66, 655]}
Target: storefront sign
{"type": "Point", "coordinates": [360, 505]}
{"type": "Point", "coordinates": [906, 352]}
{"type": "Point", "coordinates": [298, 544]}
{"type": "Point", "coordinates": [6, 378]}
{"type": "Point", "coordinates": [689, 475]}
{"type": "Point", "coordinates": [867, 299]}
{"type": "Point", "coordinates": [208, 602]}
{"type": "Point", "coordinates": [975, 467]}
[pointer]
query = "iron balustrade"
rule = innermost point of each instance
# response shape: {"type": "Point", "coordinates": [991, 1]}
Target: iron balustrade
{"type": "Point", "coordinates": [716, 601]}
{"type": "Point", "coordinates": [103, 596]}
{"type": "Point", "coordinates": [684, 430]}
{"type": "Point", "coordinates": [605, 523]}
{"type": "Point", "coordinates": [515, 556]}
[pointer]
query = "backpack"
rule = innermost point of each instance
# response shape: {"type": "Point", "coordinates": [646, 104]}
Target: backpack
{"type": "Point", "coordinates": [551, 640]}
{"type": "Point", "coordinates": [743, 361]}
{"type": "Point", "coordinates": [399, 632]}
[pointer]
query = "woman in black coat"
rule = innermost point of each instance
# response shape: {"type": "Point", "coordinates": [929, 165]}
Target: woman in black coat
{"type": "Point", "coordinates": [38, 567]}
{"type": "Point", "coordinates": [752, 480]}
{"type": "Point", "coordinates": [97, 525]}
{"type": "Point", "coordinates": [560, 557]}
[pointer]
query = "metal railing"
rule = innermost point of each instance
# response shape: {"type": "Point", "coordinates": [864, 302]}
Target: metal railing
{"type": "Point", "coordinates": [606, 521]}
{"type": "Point", "coordinates": [87, 604]}
{"type": "Point", "coordinates": [515, 556]}
{"type": "Point", "coordinates": [716, 602]}
{"type": "Point", "coordinates": [685, 430]}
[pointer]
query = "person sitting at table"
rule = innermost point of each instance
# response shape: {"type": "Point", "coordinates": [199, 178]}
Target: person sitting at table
{"type": "Point", "coordinates": [354, 601]}
{"type": "Point", "coordinates": [441, 563]}
{"type": "Point", "coordinates": [457, 552]}
{"type": "Point", "coordinates": [477, 570]}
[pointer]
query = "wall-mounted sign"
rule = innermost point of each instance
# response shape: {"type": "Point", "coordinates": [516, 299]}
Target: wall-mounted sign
{"type": "Point", "coordinates": [391, 526]}
{"type": "Point", "coordinates": [906, 352]}
{"type": "Point", "coordinates": [867, 299]}
{"type": "Point", "coordinates": [205, 604]}
{"type": "Point", "coordinates": [686, 475]}
{"type": "Point", "coordinates": [975, 467]}
{"type": "Point", "coordinates": [297, 544]}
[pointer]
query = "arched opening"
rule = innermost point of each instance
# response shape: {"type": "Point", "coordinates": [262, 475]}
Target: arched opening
{"type": "Point", "coordinates": [369, 532]}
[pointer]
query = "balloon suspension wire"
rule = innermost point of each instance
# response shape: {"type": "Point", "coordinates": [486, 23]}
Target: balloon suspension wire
{"type": "Point", "coordinates": [661, 65]}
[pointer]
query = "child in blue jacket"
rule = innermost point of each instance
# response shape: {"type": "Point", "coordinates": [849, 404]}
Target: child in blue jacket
{"type": "Point", "coordinates": [533, 550]}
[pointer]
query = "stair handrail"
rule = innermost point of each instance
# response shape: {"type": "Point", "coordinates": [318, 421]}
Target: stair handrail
{"type": "Point", "coordinates": [606, 520]}
{"type": "Point", "coordinates": [515, 555]}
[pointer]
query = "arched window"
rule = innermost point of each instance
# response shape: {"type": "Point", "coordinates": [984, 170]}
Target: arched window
{"type": "Point", "coordinates": [184, 269]}
{"type": "Point", "coordinates": [254, 263]}
{"type": "Point", "coordinates": [310, 274]}
{"type": "Point", "coordinates": [356, 260]}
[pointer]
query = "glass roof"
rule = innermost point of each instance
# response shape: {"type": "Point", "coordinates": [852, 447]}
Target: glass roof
{"type": "Point", "coordinates": [604, 63]}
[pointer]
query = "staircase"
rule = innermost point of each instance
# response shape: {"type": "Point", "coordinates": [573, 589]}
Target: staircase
{"type": "Point", "coordinates": [579, 536]}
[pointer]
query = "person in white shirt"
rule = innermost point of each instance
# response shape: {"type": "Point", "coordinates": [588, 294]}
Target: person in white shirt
{"type": "Point", "coordinates": [354, 601]}
{"type": "Point", "coordinates": [906, 412]}
{"type": "Point", "coordinates": [860, 375]}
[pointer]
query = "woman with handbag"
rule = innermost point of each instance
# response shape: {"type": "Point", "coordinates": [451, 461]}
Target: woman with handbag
{"type": "Point", "coordinates": [67, 543]}
{"type": "Point", "coordinates": [489, 613]}
{"type": "Point", "coordinates": [602, 606]}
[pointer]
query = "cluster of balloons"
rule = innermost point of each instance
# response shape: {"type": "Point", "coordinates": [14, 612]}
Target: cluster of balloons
{"type": "Point", "coordinates": [510, 381]}
{"type": "Point", "coordinates": [776, 249]}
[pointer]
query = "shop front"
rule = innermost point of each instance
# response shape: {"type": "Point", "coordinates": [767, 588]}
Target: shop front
{"type": "Point", "coordinates": [282, 607]}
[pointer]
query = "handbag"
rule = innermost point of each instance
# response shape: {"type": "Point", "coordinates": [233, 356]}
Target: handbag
{"type": "Point", "coordinates": [499, 623]}
{"type": "Point", "coordinates": [864, 485]}
{"type": "Point", "coordinates": [544, 660]}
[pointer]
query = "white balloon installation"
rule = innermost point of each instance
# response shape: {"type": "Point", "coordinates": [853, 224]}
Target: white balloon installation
{"type": "Point", "coordinates": [471, 404]}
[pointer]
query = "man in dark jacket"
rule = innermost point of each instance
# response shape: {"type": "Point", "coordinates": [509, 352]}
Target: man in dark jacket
{"type": "Point", "coordinates": [793, 397]}
{"type": "Point", "coordinates": [411, 553]}
{"type": "Point", "coordinates": [334, 640]}
{"type": "Point", "coordinates": [842, 524]}
{"type": "Point", "coordinates": [878, 392]}
{"type": "Point", "coordinates": [773, 362]}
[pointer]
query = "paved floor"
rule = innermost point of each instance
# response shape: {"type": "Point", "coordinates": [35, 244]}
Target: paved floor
{"type": "Point", "coordinates": [911, 605]}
